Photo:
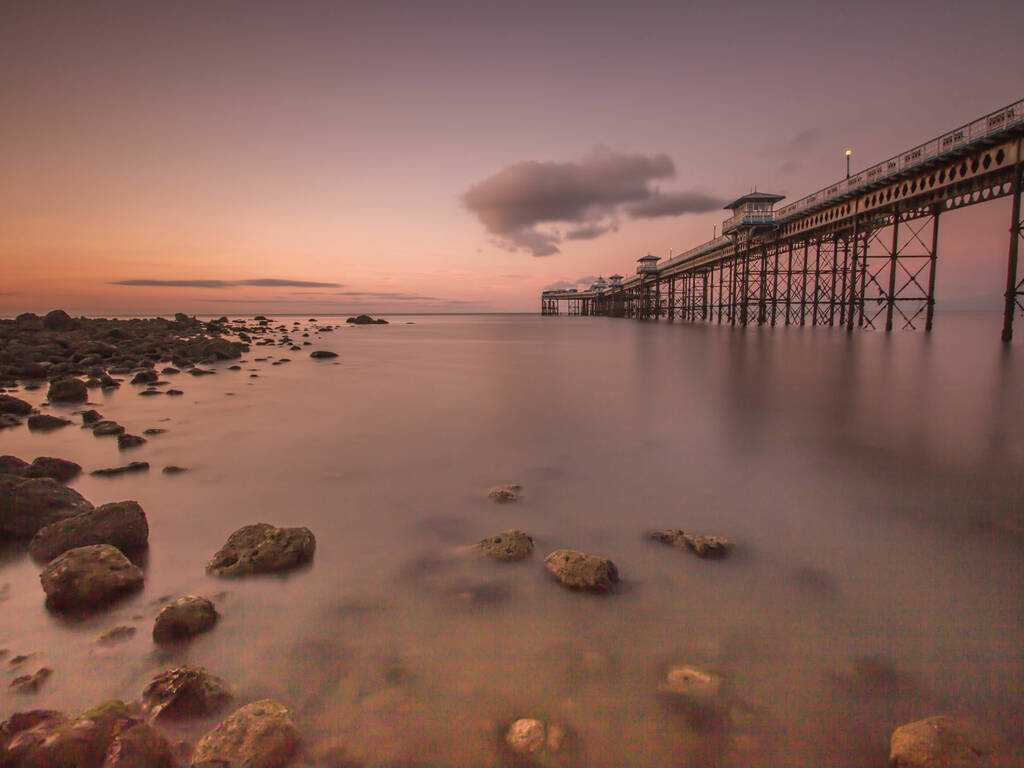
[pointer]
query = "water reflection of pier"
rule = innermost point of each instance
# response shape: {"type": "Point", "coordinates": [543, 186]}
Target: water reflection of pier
{"type": "Point", "coordinates": [860, 253]}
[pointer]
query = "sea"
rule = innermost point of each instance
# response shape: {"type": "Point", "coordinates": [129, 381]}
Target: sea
{"type": "Point", "coordinates": [871, 484]}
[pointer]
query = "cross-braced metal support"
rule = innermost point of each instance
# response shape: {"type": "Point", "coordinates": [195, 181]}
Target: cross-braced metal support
{"type": "Point", "coordinates": [1014, 286]}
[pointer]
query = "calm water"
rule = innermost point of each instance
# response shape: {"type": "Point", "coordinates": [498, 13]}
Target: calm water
{"type": "Point", "coordinates": [872, 484]}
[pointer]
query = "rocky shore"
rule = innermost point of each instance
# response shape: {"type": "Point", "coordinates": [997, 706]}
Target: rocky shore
{"type": "Point", "coordinates": [90, 558]}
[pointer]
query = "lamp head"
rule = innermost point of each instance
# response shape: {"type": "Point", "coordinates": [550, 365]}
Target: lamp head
{"type": "Point", "coordinates": [849, 152]}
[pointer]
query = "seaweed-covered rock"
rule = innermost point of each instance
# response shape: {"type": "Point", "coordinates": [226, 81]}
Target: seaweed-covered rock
{"type": "Point", "coordinates": [68, 390]}
{"type": "Point", "coordinates": [582, 571]}
{"type": "Point", "coordinates": [938, 742]}
{"type": "Point", "coordinates": [262, 548]}
{"type": "Point", "coordinates": [89, 577]}
{"type": "Point", "coordinates": [27, 504]}
{"type": "Point", "coordinates": [715, 547]}
{"type": "Point", "coordinates": [259, 735]}
{"type": "Point", "coordinates": [184, 618]}
{"type": "Point", "coordinates": [512, 544]}
{"type": "Point", "coordinates": [121, 524]}
{"type": "Point", "coordinates": [184, 692]}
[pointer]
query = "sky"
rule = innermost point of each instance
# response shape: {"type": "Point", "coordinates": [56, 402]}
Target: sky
{"type": "Point", "coordinates": [318, 157]}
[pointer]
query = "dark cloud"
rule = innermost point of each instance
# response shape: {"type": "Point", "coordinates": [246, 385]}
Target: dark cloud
{"type": "Point", "coordinates": [518, 200]}
{"type": "Point", "coordinates": [258, 283]}
{"type": "Point", "coordinates": [674, 204]}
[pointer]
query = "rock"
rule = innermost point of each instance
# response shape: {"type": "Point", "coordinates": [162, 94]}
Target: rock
{"type": "Point", "coordinates": [130, 441]}
{"type": "Point", "coordinates": [184, 692]}
{"type": "Point", "coordinates": [504, 493]}
{"type": "Point", "coordinates": [512, 544]}
{"type": "Point", "coordinates": [12, 465]}
{"type": "Point", "coordinates": [259, 735]}
{"type": "Point", "coordinates": [56, 742]}
{"type": "Point", "coordinates": [107, 428]}
{"type": "Point", "coordinates": [139, 746]}
{"type": "Point", "coordinates": [537, 743]}
{"type": "Point", "coordinates": [714, 547]}
{"type": "Point", "coordinates": [692, 684]}
{"type": "Point", "coordinates": [154, 431]}
{"type": "Point", "coordinates": [322, 354]}
{"type": "Point", "coordinates": [21, 722]}
{"type": "Point", "coordinates": [938, 742]}
{"type": "Point", "coordinates": [199, 372]}
{"type": "Point", "coordinates": [145, 377]}
{"type": "Point", "coordinates": [262, 548]}
{"type": "Point", "coordinates": [184, 618]}
{"type": "Point", "coordinates": [116, 635]}
{"type": "Point", "coordinates": [60, 470]}
{"type": "Point", "coordinates": [135, 466]}
{"type": "Point", "coordinates": [28, 504]}
{"type": "Point", "coordinates": [30, 683]}
{"type": "Point", "coordinates": [9, 420]}
{"type": "Point", "coordinates": [58, 320]}
{"type": "Point", "coordinates": [526, 736]}
{"type": "Point", "coordinates": [14, 405]}
{"type": "Point", "coordinates": [172, 469]}
{"type": "Point", "coordinates": [44, 422]}
{"type": "Point", "coordinates": [68, 391]}
{"type": "Point", "coordinates": [582, 571]}
{"type": "Point", "coordinates": [174, 392]}
{"type": "Point", "coordinates": [169, 371]}
{"type": "Point", "coordinates": [365, 320]}
{"type": "Point", "coordinates": [89, 577]}
{"type": "Point", "coordinates": [120, 524]}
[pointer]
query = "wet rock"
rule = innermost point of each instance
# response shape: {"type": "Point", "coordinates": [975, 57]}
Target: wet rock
{"type": "Point", "coordinates": [145, 377]}
{"type": "Point", "coordinates": [534, 742]}
{"type": "Point", "coordinates": [199, 372]}
{"type": "Point", "coordinates": [184, 618]}
{"type": "Point", "coordinates": [60, 470]}
{"type": "Point", "coordinates": [184, 692]}
{"type": "Point", "coordinates": [121, 524]}
{"type": "Point", "coordinates": [130, 441]}
{"type": "Point", "coordinates": [150, 392]}
{"type": "Point", "coordinates": [174, 392]}
{"type": "Point", "coordinates": [505, 493]}
{"type": "Point", "coordinates": [259, 735]}
{"type": "Point", "coordinates": [28, 504]}
{"type": "Point", "coordinates": [56, 742]}
{"type": "Point", "coordinates": [685, 685]}
{"type": "Point", "coordinates": [714, 547]}
{"type": "Point", "coordinates": [139, 746]}
{"type": "Point", "coordinates": [262, 548]}
{"type": "Point", "coordinates": [12, 465]}
{"type": "Point", "coordinates": [512, 544]}
{"type": "Point", "coordinates": [582, 571]}
{"type": "Point", "coordinates": [526, 736]}
{"type": "Point", "coordinates": [30, 683]}
{"type": "Point", "coordinates": [116, 635]}
{"type": "Point", "coordinates": [154, 431]}
{"type": "Point", "coordinates": [67, 391]}
{"type": "Point", "coordinates": [173, 469]}
{"type": "Point", "coordinates": [89, 577]}
{"type": "Point", "coordinates": [19, 723]}
{"type": "Point", "coordinates": [58, 320]}
{"type": "Point", "coordinates": [13, 405]}
{"type": "Point", "coordinates": [169, 371]}
{"type": "Point", "coordinates": [44, 422]}
{"type": "Point", "coordinates": [322, 354]}
{"type": "Point", "coordinates": [938, 742]}
{"type": "Point", "coordinates": [107, 428]}
{"type": "Point", "coordinates": [135, 466]}
{"type": "Point", "coordinates": [365, 320]}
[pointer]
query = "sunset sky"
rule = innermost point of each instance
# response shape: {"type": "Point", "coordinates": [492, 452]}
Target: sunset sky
{"type": "Point", "coordinates": [304, 157]}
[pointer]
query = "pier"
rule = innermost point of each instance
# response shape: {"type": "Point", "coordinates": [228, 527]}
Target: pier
{"type": "Point", "coordinates": [860, 253]}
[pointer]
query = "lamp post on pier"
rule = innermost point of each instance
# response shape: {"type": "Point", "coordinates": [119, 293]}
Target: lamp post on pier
{"type": "Point", "coordinates": [848, 153]}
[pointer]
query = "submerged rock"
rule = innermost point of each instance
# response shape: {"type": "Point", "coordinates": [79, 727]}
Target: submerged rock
{"type": "Point", "coordinates": [116, 635]}
{"type": "Point", "coordinates": [68, 391]}
{"type": "Point", "coordinates": [322, 354]}
{"type": "Point", "coordinates": [135, 466]}
{"type": "Point", "coordinates": [504, 493]}
{"type": "Point", "coordinates": [121, 524]}
{"type": "Point", "coordinates": [30, 683]}
{"type": "Point", "coordinates": [714, 547]}
{"type": "Point", "coordinates": [262, 548]}
{"type": "Point", "coordinates": [89, 577]}
{"type": "Point", "coordinates": [184, 618]}
{"type": "Point", "coordinates": [184, 692]}
{"type": "Point", "coordinates": [28, 504]}
{"type": "Point", "coordinates": [512, 544]}
{"type": "Point", "coordinates": [938, 742]}
{"type": "Point", "coordinates": [259, 735]}
{"type": "Point", "coordinates": [582, 571]}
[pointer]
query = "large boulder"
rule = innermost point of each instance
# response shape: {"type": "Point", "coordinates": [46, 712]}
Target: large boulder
{"type": "Point", "coordinates": [54, 741]}
{"type": "Point", "coordinates": [703, 546]}
{"type": "Point", "coordinates": [262, 548]}
{"type": "Point", "coordinates": [938, 742]}
{"type": "Point", "coordinates": [121, 524]}
{"type": "Point", "coordinates": [28, 504]}
{"type": "Point", "coordinates": [14, 405]}
{"type": "Point", "coordinates": [139, 746]}
{"type": "Point", "coordinates": [184, 618]}
{"type": "Point", "coordinates": [58, 320]}
{"type": "Point", "coordinates": [184, 692]}
{"type": "Point", "coordinates": [89, 577]}
{"type": "Point", "coordinates": [68, 391]}
{"type": "Point", "coordinates": [366, 320]}
{"type": "Point", "coordinates": [259, 735]}
{"type": "Point", "coordinates": [60, 470]}
{"type": "Point", "coordinates": [512, 544]}
{"type": "Point", "coordinates": [582, 571]}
